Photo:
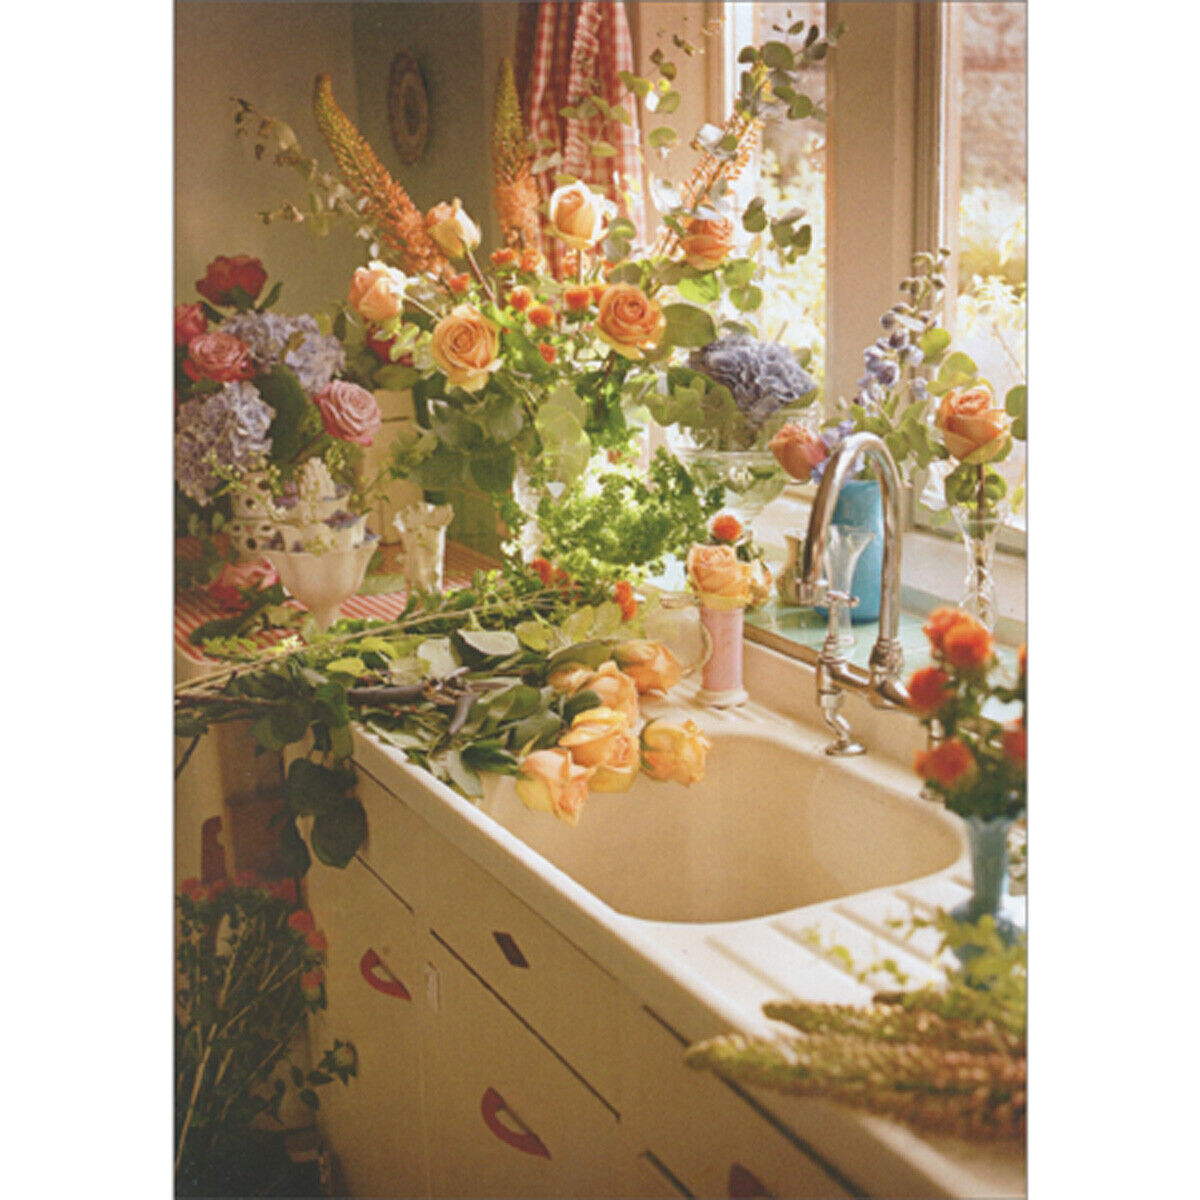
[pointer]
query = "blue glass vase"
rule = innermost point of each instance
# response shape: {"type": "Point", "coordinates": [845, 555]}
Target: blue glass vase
{"type": "Point", "coordinates": [988, 841]}
{"type": "Point", "coordinates": [859, 504]}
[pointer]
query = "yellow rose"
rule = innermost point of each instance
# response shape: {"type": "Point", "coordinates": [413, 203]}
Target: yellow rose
{"type": "Point", "coordinates": [619, 770]}
{"type": "Point", "coordinates": [377, 292]}
{"type": "Point", "coordinates": [550, 781]}
{"type": "Point", "coordinates": [974, 430]}
{"type": "Point", "coordinates": [674, 753]}
{"type": "Point", "coordinates": [594, 736]}
{"type": "Point", "coordinates": [466, 346]}
{"type": "Point", "coordinates": [707, 244]}
{"type": "Point", "coordinates": [651, 666]}
{"type": "Point", "coordinates": [578, 215]}
{"type": "Point", "coordinates": [452, 229]}
{"type": "Point", "coordinates": [628, 320]}
{"type": "Point", "coordinates": [721, 578]}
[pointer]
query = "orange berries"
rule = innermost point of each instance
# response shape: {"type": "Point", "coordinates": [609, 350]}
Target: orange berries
{"type": "Point", "coordinates": [577, 298]}
{"type": "Point", "coordinates": [458, 284]}
{"type": "Point", "coordinates": [520, 298]}
{"type": "Point", "coordinates": [504, 257]}
{"type": "Point", "coordinates": [532, 261]}
{"type": "Point", "coordinates": [548, 352]}
{"type": "Point", "coordinates": [541, 316]}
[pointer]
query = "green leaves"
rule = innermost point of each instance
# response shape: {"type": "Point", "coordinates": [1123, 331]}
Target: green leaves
{"type": "Point", "coordinates": [296, 418]}
{"type": "Point", "coordinates": [339, 832]}
{"type": "Point", "coordinates": [688, 325]}
{"type": "Point", "coordinates": [312, 790]}
{"type": "Point", "coordinates": [1014, 405]}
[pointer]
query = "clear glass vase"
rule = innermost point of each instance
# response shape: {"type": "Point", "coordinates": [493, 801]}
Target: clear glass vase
{"type": "Point", "coordinates": [843, 546]}
{"type": "Point", "coordinates": [749, 479]}
{"type": "Point", "coordinates": [979, 529]}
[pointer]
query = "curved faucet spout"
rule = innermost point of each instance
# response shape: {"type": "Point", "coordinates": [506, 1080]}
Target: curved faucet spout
{"type": "Point", "coordinates": [887, 660]}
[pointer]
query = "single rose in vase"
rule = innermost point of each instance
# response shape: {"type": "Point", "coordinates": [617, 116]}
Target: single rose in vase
{"type": "Point", "coordinates": [226, 273]}
{"type": "Point", "coordinates": [719, 576]}
{"type": "Point", "coordinates": [218, 356]}
{"type": "Point", "coordinates": [349, 412]}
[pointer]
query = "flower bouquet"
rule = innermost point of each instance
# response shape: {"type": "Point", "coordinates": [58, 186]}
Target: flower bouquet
{"type": "Point", "coordinates": [521, 376]}
{"type": "Point", "coordinates": [977, 764]}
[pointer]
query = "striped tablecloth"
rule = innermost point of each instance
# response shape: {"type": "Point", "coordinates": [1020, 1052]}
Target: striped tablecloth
{"type": "Point", "coordinates": [195, 608]}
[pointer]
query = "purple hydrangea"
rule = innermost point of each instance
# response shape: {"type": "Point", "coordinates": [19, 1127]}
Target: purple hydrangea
{"type": "Point", "coordinates": [220, 434]}
{"type": "Point", "coordinates": [833, 437]}
{"type": "Point", "coordinates": [763, 377]}
{"type": "Point", "coordinates": [313, 357]}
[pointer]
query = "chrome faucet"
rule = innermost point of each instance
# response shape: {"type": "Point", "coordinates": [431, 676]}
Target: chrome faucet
{"type": "Point", "coordinates": [881, 684]}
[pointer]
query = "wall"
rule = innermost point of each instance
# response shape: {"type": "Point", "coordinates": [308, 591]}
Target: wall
{"type": "Point", "coordinates": [267, 53]}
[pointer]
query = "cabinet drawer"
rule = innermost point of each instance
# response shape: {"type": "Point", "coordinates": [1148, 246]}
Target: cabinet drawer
{"type": "Point", "coordinates": [394, 845]}
{"type": "Point", "coordinates": [710, 1139]}
{"type": "Point", "coordinates": [505, 1116]}
{"type": "Point", "coordinates": [561, 992]}
{"type": "Point", "coordinates": [373, 1125]}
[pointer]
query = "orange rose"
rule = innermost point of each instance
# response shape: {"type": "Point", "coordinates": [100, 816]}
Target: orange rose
{"type": "Point", "coordinates": [628, 320]}
{"type": "Point", "coordinates": [578, 215]}
{"type": "Point", "coordinates": [651, 666]}
{"type": "Point", "coordinates": [974, 430]}
{"type": "Point", "coordinates": [949, 764]}
{"type": "Point", "coordinates": [520, 298]}
{"type": "Point", "coordinates": [577, 297]}
{"type": "Point", "coordinates": [674, 753]}
{"type": "Point", "coordinates": [541, 316]}
{"type": "Point", "coordinates": [941, 620]}
{"type": "Point", "coordinates": [928, 689]}
{"type": "Point", "coordinates": [466, 347]}
{"type": "Point", "coordinates": [551, 781]}
{"type": "Point", "coordinates": [452, 229]}
{"type": "Point", "coordinates": [594, 736]}
{"type": "Point", "coordinates": [720, 577]}
{"type": "Point", "coordinates": [725, 527]}
{"type": "Point", "coordinates": [377, 292]}
{"type": "Point", "coordinates": [798, 451]}
{"type": "Point", "coordinates": [967, 644]}
{"type": "Point", "coordinates": [707, 244]}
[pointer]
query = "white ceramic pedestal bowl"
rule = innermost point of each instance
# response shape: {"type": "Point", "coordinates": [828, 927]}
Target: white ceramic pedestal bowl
{"type": "Point", "coordinates": [322, 581]}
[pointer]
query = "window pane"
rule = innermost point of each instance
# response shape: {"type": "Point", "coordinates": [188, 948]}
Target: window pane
{"type": "Point", "coordinates": [792, 175]}
{"type": "Point", "coordinates": [988, 87]}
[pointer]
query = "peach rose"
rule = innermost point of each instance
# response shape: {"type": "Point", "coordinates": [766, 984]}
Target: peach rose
{"type": "Point", "coordinates": [551, 781]}
{"type": "Point", "coordinates": [929, 689]}
{"type": "Point", "coordinates": [619, 770]}
{"type": "Point", "coordinates": [466, 346]}
{"type": "Point", "coordinates": [651, 666]}
{"type": "Point", "coordinates": [707, 244]}
{"type": "Point", "coordinates": [613, 687]}
{"type": "Point", "coordinates": [974, 430]}
{"type": "Point", "coordinates": [452, 229]}
{"type": "Point", "coordinates": [377, 292]}
{"type": "Point", "coordinates": [950, 764]}
{"type": "Point", "coordinates": [578, 215]}
{"type": "Point", "coordinates": [717, 574]}
{"type": "Point", "coordinates": [798, 451]}
{"type": "Point", "coordinates": [628, 320]}
{"type": "Point", "coordinates": [594, 736]}
{"type": "Point", "coordinates": [673, 753]}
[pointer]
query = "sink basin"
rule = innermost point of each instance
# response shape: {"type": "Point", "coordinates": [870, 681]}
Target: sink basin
{"type": "Point", "coordinates": [773, 827]}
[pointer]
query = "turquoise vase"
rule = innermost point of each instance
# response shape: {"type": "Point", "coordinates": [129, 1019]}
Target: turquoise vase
{"type": "Point", "coordinates": [859, 504]}
{"type": "Point", "coordinates": [988, 841]}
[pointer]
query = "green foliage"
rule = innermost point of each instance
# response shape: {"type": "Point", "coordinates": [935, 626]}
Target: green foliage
{"type": "Point", "coordinates": [246, 979]}
{"type": "Point", "coordinates": [629, 524]}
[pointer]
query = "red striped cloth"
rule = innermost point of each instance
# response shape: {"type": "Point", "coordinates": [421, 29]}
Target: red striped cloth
{"type": "Point", "coordinates": [195, 608]}
{"type": "Point", "coordinates": [580, 50]}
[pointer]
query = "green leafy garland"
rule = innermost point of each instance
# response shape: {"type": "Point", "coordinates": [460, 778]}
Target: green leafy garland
{"type": "Point", "coordinates": [456, 681]}
{"type": "Point", "coordinates": [948, 1059]}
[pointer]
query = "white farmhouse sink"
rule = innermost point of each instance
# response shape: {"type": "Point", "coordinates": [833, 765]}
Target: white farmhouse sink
{"type": "Point", "coordinates": [773, 827]}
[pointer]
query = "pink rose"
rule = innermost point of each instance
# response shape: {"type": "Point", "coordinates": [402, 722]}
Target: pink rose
{"type": "Point", "coordinates": [218, 356]}
{"type": "Point", "coordinates": [798, 451]}
{"type": "Point", "coordinates": [349, 412]}
{"type": "Point", "coordinates": [190, 322]}
{"type": "Point", "coordinates": [236, 577]}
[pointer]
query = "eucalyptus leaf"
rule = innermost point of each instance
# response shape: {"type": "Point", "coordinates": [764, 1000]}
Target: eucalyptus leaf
{"type": "Point", "coordinates": [687, 325]}
{"type": "Point", "coordinates": [478, 646]}
{"type": "Point", "coordinates": [338, 833]}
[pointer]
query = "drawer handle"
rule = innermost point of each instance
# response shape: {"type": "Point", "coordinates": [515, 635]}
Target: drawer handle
{"type": "Point", "coordinates": [525, 1139]}
{"type": "Point", "coordinates": [510, 949]}
{"type": "Point", "coordinates": [744, 1183]}
{"type": "Point", "coordinates": [371, 966]}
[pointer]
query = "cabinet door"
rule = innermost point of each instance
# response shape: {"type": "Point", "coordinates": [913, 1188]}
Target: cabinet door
{"type": "Point", "coordinates": [373, 1125]}
{"type": "Point", "coordinates": [506, 1116]}
{"type": "Point", "coordinates": [703, 1133]}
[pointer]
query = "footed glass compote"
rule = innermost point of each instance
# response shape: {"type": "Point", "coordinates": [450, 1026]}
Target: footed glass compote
{"type": "Point", "coordinates": [843, 546]}
{"type": "Point", "coordinates": [322, 581]}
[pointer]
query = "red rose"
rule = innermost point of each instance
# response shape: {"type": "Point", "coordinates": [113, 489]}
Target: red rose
{"type": "Point", "coordinates": [218, 356]}
{"type": "Point", "coordinates": [967, 644]}
{"type": "Point", "coordinates": [380, 347]}
{"type": "Point", "coordinates": [929, 689]}
{"type": "Point", "coordinates": [190, 322]}
{"type": "Point", "coordinates": [224, 274]}
{"type": "Point", "coordinates": [283, 889]}
{"type": "Point", "coordinates": [316, 940]}
{"type": "Point", "coordinates": [349, 412]}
